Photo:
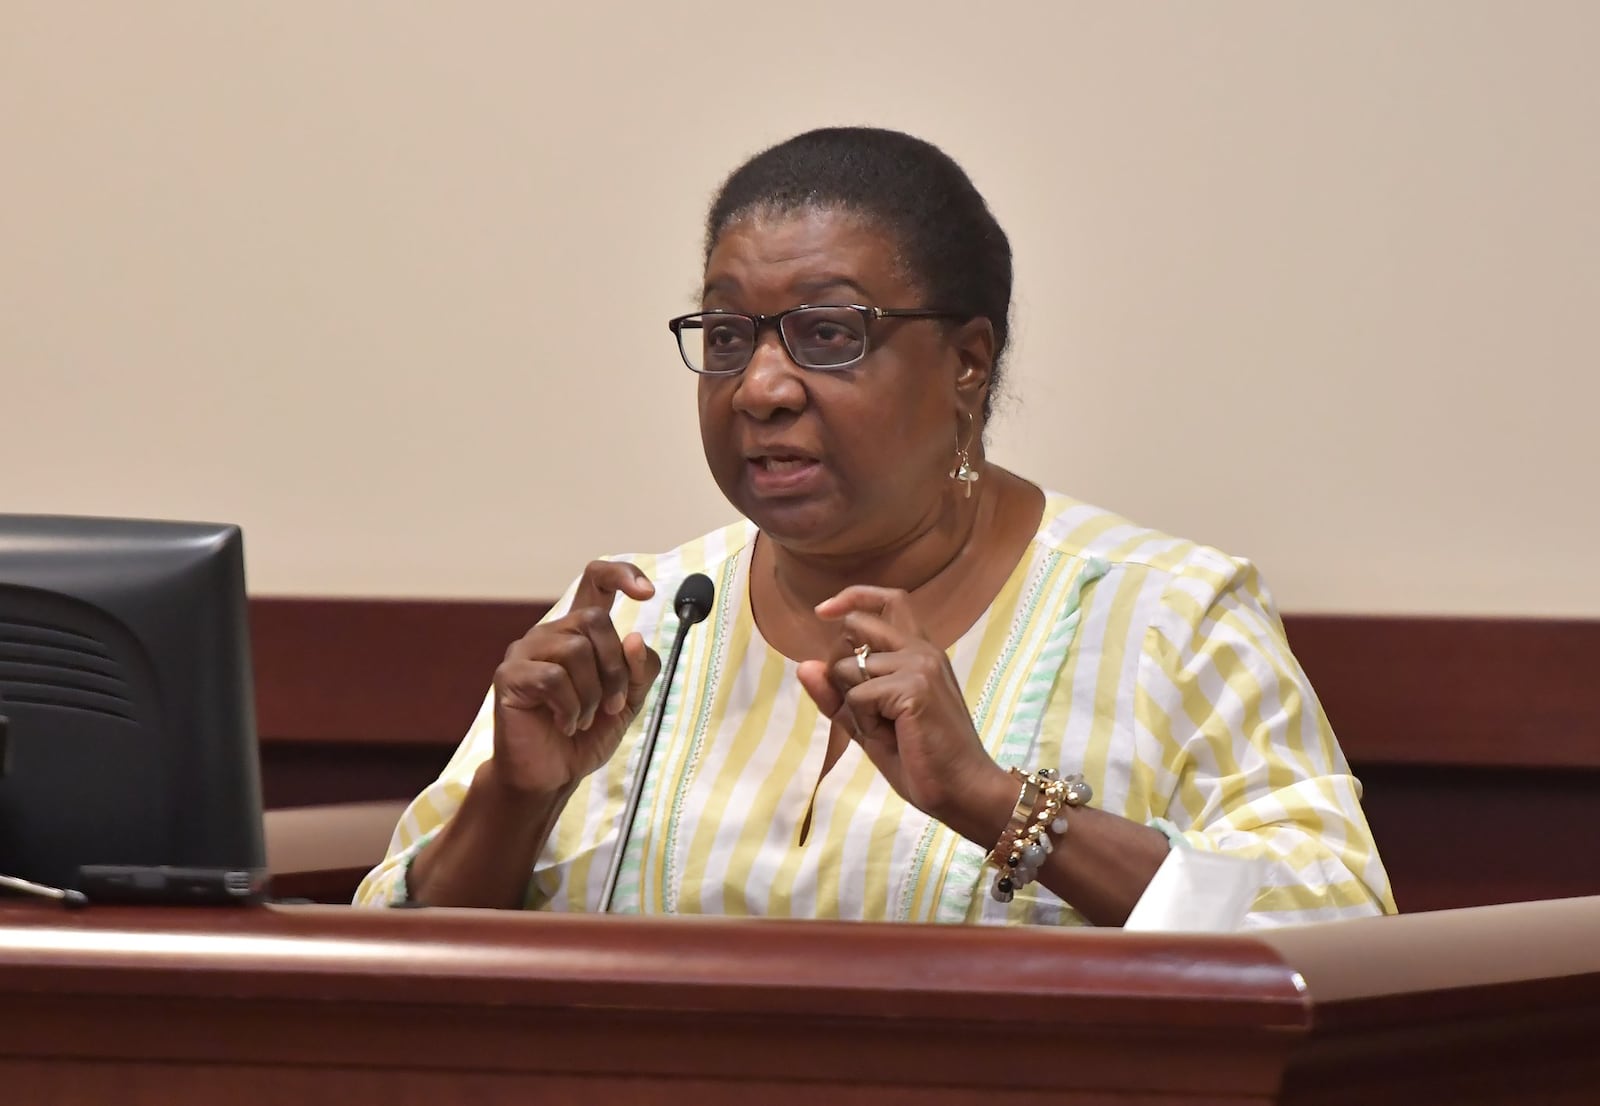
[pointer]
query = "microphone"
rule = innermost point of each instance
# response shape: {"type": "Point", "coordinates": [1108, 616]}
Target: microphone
{"type": "Point", "coordinates": [693, 604]}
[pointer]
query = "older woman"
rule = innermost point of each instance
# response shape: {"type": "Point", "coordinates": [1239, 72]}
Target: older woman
{"type": "Point", "coordinates": [919, 666]}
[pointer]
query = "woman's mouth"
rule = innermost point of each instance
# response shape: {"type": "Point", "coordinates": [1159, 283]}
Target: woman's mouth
{"type": "Point", "coordinates": [783, 474]}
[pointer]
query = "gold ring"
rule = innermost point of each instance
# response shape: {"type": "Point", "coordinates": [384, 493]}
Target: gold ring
{"type": "Point", "coordinates": [862, 654]}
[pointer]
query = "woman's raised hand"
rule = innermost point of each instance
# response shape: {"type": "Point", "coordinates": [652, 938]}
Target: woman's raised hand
{"type": "Point", "coordinates": [568, 688]}
{"type": "Point", "coordinates": [901, 702]}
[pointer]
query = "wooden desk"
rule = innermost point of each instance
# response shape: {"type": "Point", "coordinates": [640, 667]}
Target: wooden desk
{"type": "Point", "coordinates": [331, 1005]}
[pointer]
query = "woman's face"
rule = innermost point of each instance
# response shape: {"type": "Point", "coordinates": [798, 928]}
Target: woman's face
{"type": "Point", "coordinates": [847, 462]}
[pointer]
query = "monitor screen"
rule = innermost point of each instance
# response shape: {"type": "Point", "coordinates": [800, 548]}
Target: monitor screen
{"type": "Point", "coordinates": [125, 686]}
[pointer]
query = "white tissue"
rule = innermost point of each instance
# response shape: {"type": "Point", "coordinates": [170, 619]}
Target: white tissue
{"type": "Point", "coordinates": [1198, 892]}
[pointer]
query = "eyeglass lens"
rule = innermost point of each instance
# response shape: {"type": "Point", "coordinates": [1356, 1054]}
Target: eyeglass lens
{"type": "Point", "coordinates": [816, 337]}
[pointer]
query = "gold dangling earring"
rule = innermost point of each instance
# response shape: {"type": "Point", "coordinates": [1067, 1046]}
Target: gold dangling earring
{"type": "Point", "coordinates": [964, 472]}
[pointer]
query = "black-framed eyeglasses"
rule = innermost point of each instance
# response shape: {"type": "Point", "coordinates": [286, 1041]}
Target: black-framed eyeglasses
{"type": "Point", "coordinates": [821, 337]}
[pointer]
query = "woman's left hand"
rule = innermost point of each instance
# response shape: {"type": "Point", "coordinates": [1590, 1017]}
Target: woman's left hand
{"type": "Point", "coordinates": [902, 704]}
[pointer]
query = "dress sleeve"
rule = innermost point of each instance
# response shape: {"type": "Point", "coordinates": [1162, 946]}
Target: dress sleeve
{"type": "Point", "coordinates": [385, 885]}
{"type": "Point", "coordinates": [1257, 770]}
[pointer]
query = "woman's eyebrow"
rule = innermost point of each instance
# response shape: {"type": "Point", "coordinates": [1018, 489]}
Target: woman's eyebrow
{"type": "Point", "coordinates": [721, 284]}
{"type": "Point", "coordinates": [807, 288]}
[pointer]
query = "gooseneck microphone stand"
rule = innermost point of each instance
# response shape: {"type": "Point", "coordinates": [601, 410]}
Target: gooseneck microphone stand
{"type": "Point", "coordinates": [693, 604]}
{"type": "Point", "coordinates": [66, 896]}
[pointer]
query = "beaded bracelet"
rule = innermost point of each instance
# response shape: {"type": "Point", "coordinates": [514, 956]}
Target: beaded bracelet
{"type": "Point", "coordinates": [1026, 842]}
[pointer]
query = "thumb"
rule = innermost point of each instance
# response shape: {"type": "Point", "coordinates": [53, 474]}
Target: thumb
{"type": "Point", "coordinates": [644, 665]}
{"type": "Point", "coordinates": [814, 678]}
{"type": "Point", "coordinates": [601, 580]}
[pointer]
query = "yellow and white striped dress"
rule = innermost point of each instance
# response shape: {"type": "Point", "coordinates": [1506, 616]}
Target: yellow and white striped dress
{"type": "Point", "coordinates": [1156, 667]}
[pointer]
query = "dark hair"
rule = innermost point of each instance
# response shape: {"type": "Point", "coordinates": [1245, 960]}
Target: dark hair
{"type": "Point", "coordinates": [950, 241]}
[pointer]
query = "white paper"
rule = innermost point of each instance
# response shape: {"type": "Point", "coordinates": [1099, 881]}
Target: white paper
{"type": "Point", "coordinates": [1198, 892]}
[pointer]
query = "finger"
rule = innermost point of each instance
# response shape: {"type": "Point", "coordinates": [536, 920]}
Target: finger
{"type": "Point", "coordinates": [856, 630]}
{"type": "Point", "coordinates": [644, 665]}
{"type": "Point", "coordinates": [860, 628]}
{"type": "Point", "coordinates": [610, 664]}
{"type": "Point", "coordinates": [575, 653]}
{"type": "Point", "coordinates": [878, 743]}
{"type": "Point", "coordinates": [533, 685]}
{"type": "Point", "coordinates": [852, 670]}
{"type": "Point", "coordinates": [891, 604]}
{"type": "Point", "coordinates": [865, 722]}
{"type": "Point", "coordinates": [601, 580]}
{"type": "Point", "coordinates": [879, 702]}
{"type": "Point", "coordinates": [815, 678]}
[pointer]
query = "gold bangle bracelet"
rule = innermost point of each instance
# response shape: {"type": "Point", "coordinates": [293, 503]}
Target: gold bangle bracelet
{"type": "Point", "coordinates": [1027, 839]}
{"type": "Point", "coordinates": [1027, 799]}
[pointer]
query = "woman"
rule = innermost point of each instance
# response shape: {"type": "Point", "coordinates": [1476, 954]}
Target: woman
{"type": "Point", "coordinates": [903, 634]}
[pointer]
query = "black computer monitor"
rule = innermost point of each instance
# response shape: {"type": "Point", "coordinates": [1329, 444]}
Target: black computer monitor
{"type": "Point", "coordinates": [125, 684]}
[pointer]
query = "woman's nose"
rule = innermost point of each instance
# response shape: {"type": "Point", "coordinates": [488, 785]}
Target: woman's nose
{"type": "Point", "coordinates": [771, 382]}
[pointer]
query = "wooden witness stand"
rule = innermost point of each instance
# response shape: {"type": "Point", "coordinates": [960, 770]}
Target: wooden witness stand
{"type": "Point", "coordinates": [363, 701]}
{"type": "Point", "coordinates": [335, 1005]}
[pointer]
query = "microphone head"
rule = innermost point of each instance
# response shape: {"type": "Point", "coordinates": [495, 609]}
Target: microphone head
{"type": "Point", "coordinates": [694, 598]}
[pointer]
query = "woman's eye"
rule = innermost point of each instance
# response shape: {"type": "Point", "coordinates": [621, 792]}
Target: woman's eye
{"type": "Point", "coordinates": [831, 334]}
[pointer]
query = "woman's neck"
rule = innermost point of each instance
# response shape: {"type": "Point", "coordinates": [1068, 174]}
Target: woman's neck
{"type": "Point", "coordinates": [913, 562]}
{"type": "Point", "coordinates": [952, 567]}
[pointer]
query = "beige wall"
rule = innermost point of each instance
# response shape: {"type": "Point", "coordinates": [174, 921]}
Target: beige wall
{"type": "Point", "coordinates": [386, 283]}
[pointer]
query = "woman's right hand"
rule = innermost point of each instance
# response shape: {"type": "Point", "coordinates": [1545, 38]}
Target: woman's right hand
{"type": "Point", "coordinates": [568, 689]}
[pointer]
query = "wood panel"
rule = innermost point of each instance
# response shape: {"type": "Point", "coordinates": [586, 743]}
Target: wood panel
{"type": "Point", "coordinates": [393, 672]}
{"type": "Point", "coordinates": [1438, 691]}
{"type": "Point", "coordinates": [1456, 691]}
{"type": "Point", "coordinates": [1454, 837]}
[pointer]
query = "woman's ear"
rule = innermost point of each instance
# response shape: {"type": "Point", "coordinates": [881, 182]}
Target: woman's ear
{"type": "Point", "coordinates": [974, 345]}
